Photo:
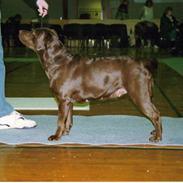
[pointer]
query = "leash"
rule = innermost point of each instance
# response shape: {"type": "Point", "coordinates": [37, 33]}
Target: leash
{"type": "Point", "coordinates": [41, 21]}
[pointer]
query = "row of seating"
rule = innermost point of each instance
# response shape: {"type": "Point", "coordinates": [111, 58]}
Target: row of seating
{"type": "Point", "coordinates": [114, 35]}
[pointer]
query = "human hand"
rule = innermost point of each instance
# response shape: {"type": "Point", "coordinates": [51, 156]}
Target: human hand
{"type": "Point", "coordinates": [42, 7]}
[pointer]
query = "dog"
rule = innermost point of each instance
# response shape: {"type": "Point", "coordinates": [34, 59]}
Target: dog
{"type": "Point", "coordinates": [79, 79]}
{"type": "Point", "coordinates": [146, 32]}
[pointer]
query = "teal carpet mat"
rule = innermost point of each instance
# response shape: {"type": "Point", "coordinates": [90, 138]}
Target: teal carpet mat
{"type": "Point", "coordinates": [97, 130]}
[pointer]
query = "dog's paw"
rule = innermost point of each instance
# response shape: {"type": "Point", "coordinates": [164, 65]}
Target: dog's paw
{"type": "Point", "coordinates": [66, 133]}
{"type": "Point", "coordinates": [155, 139]}
{"type": "Point", "coordinates": [53, 137]}
{"type": "Point", "coordinates": [153, 132]}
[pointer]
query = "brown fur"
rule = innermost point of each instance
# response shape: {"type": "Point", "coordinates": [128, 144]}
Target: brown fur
{"type": "Point", "coordinates": [78, 79]}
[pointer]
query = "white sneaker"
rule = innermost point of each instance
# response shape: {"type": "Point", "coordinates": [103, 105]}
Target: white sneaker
{"type": "Point", "coordinates": [15, 120]}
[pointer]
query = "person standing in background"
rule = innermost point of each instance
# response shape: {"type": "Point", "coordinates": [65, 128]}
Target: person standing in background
{"type": "Point", "coordinates": [122, 12]}
{"type": "Point", "coordinates": [147, 11]}
{"type": "Point", "coordinates": [169, 26]}
{"type": "Point", "coordinates": [171, 37]}
{"type": "Point", "coordinates": [9, 118]}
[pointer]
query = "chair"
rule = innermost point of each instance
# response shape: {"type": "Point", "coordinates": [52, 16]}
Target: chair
{"type": "Point", "coordinates": [118, 35]}
{"type": "Point", "coordinates": [146, 31]}
{"type": "Point", "coordinates": [58, 29]}
{"type": "Point", "coordinates": [101, 33]}
{"type": "Point", "coordinates": [87, 34]}
{"type": "Point", "coordinates": [72, 33]}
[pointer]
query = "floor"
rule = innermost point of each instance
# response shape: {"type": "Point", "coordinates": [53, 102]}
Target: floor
{"type": "Point", "coordinates": [25, 78]}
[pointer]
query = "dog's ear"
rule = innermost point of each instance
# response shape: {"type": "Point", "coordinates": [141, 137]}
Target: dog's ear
{"type": "Point", "coordinates": [52, 40]}
{"type": "Point", "coordinates": [54, 32]}
{"type": "Point", "coordinates": [46, 39]}
{"type": "Point", "coordinates": [40, 45]}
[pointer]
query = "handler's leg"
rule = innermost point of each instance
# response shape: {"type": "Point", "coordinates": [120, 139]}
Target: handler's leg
{"type": "Point", "coordinates": [5, 107]}
{"type": "Point", "coordinates": [8, 117]}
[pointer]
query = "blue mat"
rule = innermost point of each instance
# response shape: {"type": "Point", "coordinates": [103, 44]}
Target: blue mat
{"type": "Point", "coordinates": [97, 130]}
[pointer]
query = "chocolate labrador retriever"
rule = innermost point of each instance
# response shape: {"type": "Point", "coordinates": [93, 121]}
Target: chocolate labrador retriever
{"type": "Point", "coordinates": [78, 79]}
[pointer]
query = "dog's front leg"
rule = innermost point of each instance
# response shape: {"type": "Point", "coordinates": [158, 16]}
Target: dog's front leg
{"type": "Point", "coordinates": [62, 117]}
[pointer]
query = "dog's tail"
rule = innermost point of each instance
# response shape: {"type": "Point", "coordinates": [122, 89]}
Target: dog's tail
{"type": "Point", "coordinates": [151, 65]}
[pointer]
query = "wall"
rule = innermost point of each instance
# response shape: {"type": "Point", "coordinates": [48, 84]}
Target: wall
{"type": "Point", "coordinates": [92, 7]}
{"type": "Point", "coordinates": [55, 11]}
{"type": "Point", "coordinates": [135, 9]}
{"type": "Point", "coordinates": [28, 10]}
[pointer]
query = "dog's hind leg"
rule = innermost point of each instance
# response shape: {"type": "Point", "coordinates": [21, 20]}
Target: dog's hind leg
{"type": "Point", "coordinates": [61, 123]}
{"type": "Point", "coordinates": [69, 120]}
{"type": "Point", "coordinates": [139, 92]}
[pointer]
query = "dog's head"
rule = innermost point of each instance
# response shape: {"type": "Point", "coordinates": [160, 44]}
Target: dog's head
{"type": "Point", "coordinates": [39, 39]}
